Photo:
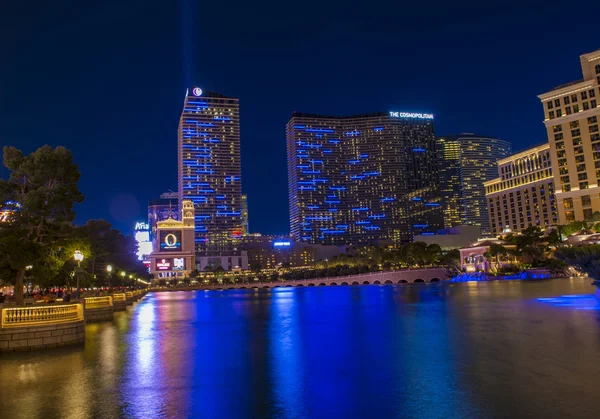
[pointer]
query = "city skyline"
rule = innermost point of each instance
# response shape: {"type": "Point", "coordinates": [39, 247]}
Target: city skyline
{"type": "Point", "coordinates": [102, 133]}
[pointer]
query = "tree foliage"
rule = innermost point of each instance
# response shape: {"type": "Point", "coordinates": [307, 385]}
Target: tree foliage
{"type": "Point", "coordinates": [585, 258]}
{"type": "Point", "coordinates": [44, 184]}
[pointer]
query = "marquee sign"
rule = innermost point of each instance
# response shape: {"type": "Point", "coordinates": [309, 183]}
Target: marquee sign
{"type": "Point", "coordinates": [411, 115]}
{"type": "Point", "coordinates": [163, 264]}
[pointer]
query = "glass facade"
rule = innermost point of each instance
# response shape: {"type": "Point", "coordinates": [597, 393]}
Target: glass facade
{"type": "Point", "coordinates": [210, 168]}
{"type": "Point", "coordinates": [362, 180]}
{"type": "Point", "coordinates": [466, 162]}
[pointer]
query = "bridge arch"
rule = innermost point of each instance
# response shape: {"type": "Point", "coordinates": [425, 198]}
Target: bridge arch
{"type": "Point", "coordinates": [311, 285]}
{"type": "Point", "coordinates": [242, 288]}
{"type": "Point", "coordinates": [435, 280]}
{"type": "Point", "coordinates": [403, 281]}
{"type": "Point", "coordinates": [377, 282]}
{"type": "Point", "coordinates": [418, 281]}
{"type": "Point", "coordinates": [322, 284]}
{"type": "Point", "coordinates": [344, 283]}
{"type": "Point", "coordinates": [388, 282]}
{"type": "Point", "coordinates": [266, 286]}
{"type": "Point", "coordinates": [355, 283]}
{"type": "Point", "coordinates": [332, 283]}
{"type": "Point", "coordinates": [366, 283]}
{"type": "Point", "coordinates": [300, 285]}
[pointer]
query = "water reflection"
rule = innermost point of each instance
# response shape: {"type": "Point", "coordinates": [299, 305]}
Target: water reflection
{"type": "Point", "coordinates": [440, 350]}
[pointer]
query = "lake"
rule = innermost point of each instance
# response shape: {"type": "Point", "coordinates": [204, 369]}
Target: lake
{"type": "Point", "coordinates": [451, 350]}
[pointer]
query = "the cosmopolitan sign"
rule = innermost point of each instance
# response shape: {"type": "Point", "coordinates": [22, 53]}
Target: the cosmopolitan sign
{"type": "Point", "coordinates": [411, 115]}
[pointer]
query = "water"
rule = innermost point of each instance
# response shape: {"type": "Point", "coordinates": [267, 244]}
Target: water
{"type": "Point", "coordinates": [464, 350]}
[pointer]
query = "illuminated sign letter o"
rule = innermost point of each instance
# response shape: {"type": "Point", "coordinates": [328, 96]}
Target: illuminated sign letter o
{"type": "Point", "coordinates": [170, 240]}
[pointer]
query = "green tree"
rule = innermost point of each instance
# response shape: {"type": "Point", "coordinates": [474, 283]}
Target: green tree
{"type": "Point", "coordinates": [573, 227]}
{"type": "Point", "coordinates": [531, 244]}
{"type": "Point", "coordinates": [256, 267]}
{"type": "Point", "coordinates": [594, 218]}
{"type": "Point", "coordinates": [585, 258]}
{"type": "Point", "coordinates": [44, 184]}
{"type": "Point", "coordinates": [495, 253]}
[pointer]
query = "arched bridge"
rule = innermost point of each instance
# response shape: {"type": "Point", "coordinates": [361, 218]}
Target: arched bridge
{"type": "Point", "coordinates": [406, 276]}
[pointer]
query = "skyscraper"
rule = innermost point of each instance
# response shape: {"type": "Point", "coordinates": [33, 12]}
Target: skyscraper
{"type": "Point", "coordinates": [210, 168]}
{"type": "Point", "coordinates": [466, 162]}
{"type": "Point", "coordinates": [363, 179]}
{"type": "Point", "coordinates": [571, 114]}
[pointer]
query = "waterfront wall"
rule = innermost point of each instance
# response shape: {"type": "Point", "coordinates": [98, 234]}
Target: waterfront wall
{"type": "Point", "coordinates": [98, 309]}
{"type": "Point", "coordinates": [38, 327]}
{"type": "Point", "coordinates": [119, 302]}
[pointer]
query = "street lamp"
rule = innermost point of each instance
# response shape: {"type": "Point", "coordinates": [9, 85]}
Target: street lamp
{"type": "Point", "coordinates": [78, 256]}
{"type": "Point", "coordinates": [122, 273]}
{"type": "Point", "coordinates": [130, 278]}
{"type": "Point", "coordinates": [109, 270]}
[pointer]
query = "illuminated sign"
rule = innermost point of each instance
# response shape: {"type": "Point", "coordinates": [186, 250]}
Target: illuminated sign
{"type": "Point", "coordinates": [163, 264]}
{"type": "Point", "coordinates": [178, 264]}
{"type": "Point", "coordinates": [141, 226]}
{"type": "Point", "coordinates": [411, 115]}
{"type": "Point", "coordinates": [144, 249]}
{"type": "Point", "coordinates": [282, 243]}
{"type": "Point", "coordinates": [142, 236]}
{"type": "Point", "coordinates": [170, 241]}
{"type": "Point", "coordinates": [196, 91]}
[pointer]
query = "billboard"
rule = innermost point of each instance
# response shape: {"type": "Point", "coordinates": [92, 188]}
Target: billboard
{"type": "Point", "coordinates": [170, 264]}
{"type": "Point", "coordinates": [170, 241]}
{"type": "Point", "coordinates": [141, 233]}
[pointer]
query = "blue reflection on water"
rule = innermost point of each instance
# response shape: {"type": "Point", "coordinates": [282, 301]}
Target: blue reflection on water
{"type": "Point", "coordinates": [576, 301]}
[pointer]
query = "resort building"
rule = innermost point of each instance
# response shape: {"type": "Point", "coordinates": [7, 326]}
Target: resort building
{"type": "Point", "coordinates": [523, 194]}
{"type": "Point", "coordinates": [571, 114]}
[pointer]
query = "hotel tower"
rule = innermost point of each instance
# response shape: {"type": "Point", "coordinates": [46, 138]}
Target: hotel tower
{"type": "Point", "coordinates": [364, 179]}
{"type": "Point", "coordinates": [209, 170]}
{"type": "Point", "coordinates": [571, 114]}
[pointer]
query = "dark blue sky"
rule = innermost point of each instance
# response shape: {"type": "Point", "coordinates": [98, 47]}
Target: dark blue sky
{"type": "Point", "coordinates": [107, 79]}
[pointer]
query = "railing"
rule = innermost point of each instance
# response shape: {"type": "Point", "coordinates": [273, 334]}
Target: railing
{"type": "Point", "coordinates": [119, 297]}
{"type": "Point", "coordinates": [40, 315]}
{"type": "Point", "coordinates": [129, 294]}
{"type": "Point", "coordinates": [98, 302]}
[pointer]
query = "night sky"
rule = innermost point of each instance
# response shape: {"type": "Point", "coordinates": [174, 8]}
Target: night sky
{"type": "Point", "coordinates": [107, 79]}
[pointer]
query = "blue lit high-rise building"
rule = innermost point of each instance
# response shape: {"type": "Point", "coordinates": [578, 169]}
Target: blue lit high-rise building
{"type": "Point", "coordinates": [210, 168]}
{"type": "Point", "coordinates": [362, 180]}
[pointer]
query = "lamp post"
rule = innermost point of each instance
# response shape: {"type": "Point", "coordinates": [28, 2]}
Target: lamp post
{"type": "Point", "coordinates": [122, 277]}
{"type": "Point", "coordinates": [109, 270]}
{"type": "Point", "coordinates": [78, 256]}
{"type": "Point", "coordinates": [130, 280]}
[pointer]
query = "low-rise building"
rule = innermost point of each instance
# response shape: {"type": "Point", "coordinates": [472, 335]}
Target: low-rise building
{"type": "Point", "coordinates": [451, 238]}
{"type": "Point", "coordinates": [173, 243]}
{"type": "Point", "coordinates": [269, 252]}
{"type": "Point", "coordinates": [475, 257]}
{"type": "Point", "coordinates": [523, 194]}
